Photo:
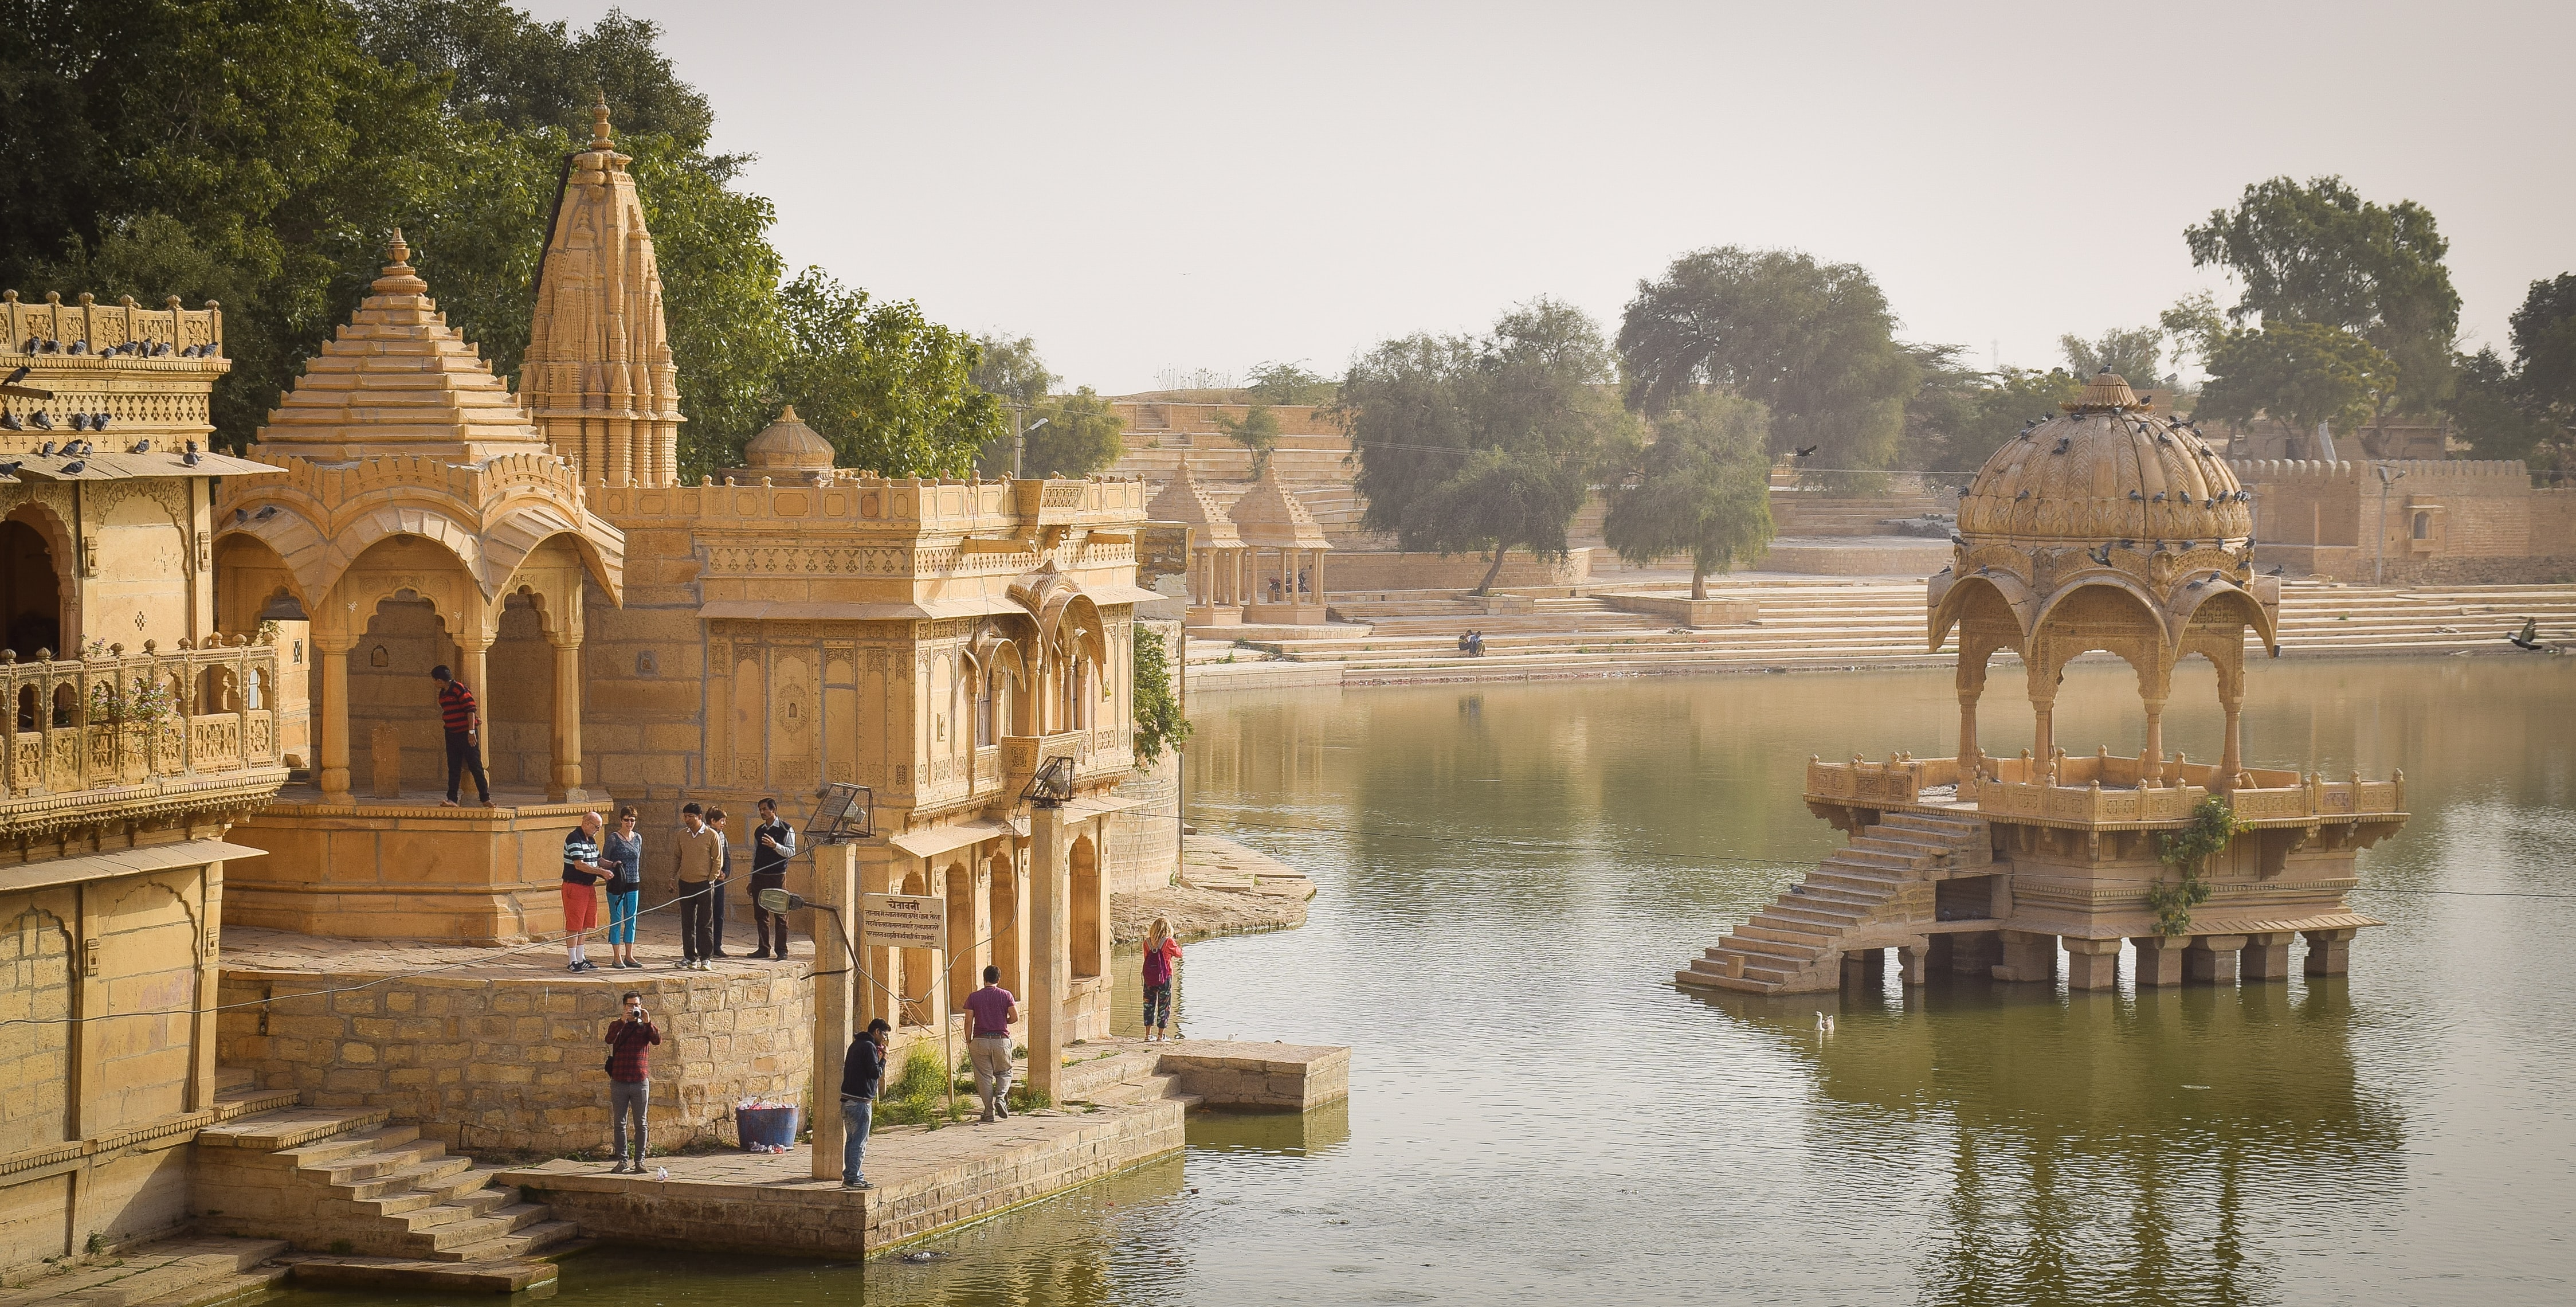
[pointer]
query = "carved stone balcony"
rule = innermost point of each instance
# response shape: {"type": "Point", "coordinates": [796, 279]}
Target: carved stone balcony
{"type": "Point", "coordinates": [154, 738]}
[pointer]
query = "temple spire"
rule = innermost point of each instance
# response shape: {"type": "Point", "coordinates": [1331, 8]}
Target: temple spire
{"type": "Point", "coordinates": [599, 135]}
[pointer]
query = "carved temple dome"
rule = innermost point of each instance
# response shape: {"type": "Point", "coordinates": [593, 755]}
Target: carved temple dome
{"type": "Point", "coordinates": [788, 445]}
{"type": "Point", "coordinates": [2106, 469]}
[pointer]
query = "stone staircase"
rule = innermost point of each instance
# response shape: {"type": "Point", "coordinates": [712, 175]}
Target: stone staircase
{"type": "Point", "coordinates": [346, 1181]}
{"type": "Point", "coordinates": [1129, 1074]}
{"type": "Point", "coordinates": [1874, 892]}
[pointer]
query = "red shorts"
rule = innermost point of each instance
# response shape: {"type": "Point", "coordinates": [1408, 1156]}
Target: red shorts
{"type": "Point", "coordinates": [581, 907]}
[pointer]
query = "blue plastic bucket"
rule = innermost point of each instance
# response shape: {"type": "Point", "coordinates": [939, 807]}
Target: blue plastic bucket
{"type": "Point", "coordinates": [765, 1126]}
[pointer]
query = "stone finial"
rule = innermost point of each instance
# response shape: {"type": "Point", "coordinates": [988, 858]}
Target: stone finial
{"type": "Point", "coordinates": [599, 135]}
{"type": "Point", "coordinates": [400, 278]}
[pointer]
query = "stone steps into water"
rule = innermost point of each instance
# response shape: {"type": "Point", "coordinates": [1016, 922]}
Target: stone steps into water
{"type": "Point", "coordinates": [1794, 945]}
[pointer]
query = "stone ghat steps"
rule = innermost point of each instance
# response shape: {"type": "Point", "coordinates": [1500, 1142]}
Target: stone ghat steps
{"type": "Point", "coordinates": [1850, 626]}
{"type": "Point", "coordinates": [349, 1182]}
{"type": "Point", "coordinates": [1883, 878]}
{"type": "Point", "coordinates": [179, 1272]}
{"type": "Point", "coordinates": [1128, 1075]}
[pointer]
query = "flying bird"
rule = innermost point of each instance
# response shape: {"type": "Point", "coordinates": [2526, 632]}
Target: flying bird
{"type": "Point", "coordinates": [1804, 452]}
{"type": "Point", "coordinates": [2101, 555]}
{"type": "Point", "coordinates": [2529, 637]}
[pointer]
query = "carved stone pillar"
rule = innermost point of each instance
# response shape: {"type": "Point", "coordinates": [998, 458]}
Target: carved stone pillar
{"type": "Point", "coordinates": [2329, 951]}
{"type": "Point", "coordinates": [2213, 959]}
{"type": "Point", "coordinates": [565, 785]}
{"type": "Point", "coordinates": [471, 646]}
{"type": "Point", "coordinates": [1050, 963]}
{"type": "Point", "coordinates": [2152, 768]}
{"type": "Point", "coordinates": [2159, 960]}
{"type": "Point", "coordinates": [2092, 963]}
{"type": "Point", "coordinates": [332, 651]}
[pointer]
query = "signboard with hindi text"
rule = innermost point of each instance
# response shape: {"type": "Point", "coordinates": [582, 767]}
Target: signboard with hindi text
{"type": "Point", "coordinates": [902, 921]}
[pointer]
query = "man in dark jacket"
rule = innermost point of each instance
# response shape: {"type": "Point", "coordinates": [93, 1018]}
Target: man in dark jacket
{"type": "Point", "coordinates": [862, 1075]}
{"type": "Point", "coordinates": [630, 1077]}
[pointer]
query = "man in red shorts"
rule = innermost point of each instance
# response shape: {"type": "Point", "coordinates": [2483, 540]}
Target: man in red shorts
{"type": "Point", "coordinates": [582, 875]}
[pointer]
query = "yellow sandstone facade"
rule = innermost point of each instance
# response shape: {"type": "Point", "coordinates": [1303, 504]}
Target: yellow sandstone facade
{"type": "Point", "coordinates": [132, 737]}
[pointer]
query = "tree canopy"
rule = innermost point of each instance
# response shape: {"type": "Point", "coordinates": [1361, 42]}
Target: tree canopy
{"type": "Point", "coordinates": [1814, 343]}
{"type": "Point", "coordinates": [2303, 373]}
{"type": "Point", "coordinates": [1289, 383]}
{"type": "Point", "coordinates": [1081, 436]}
{"type": "Point", "coordinates": [308, 129]}
{"type": "Point", "coordinates": [2527, 409]}
{"type": "Point", "coordinates": [1960, 417]}
{"type": "Point", "coordinates": [2131, 352]}
{"type": "Point", "coordinates": [1703, 487]}
{"type": "Point", "coordinates": [1482, 444]}
{"type": "Point", "coordinates": [2318, 253]}
{"type": "Point", "coordinates": [1257, 431]}
{"type": "Point", "coordinates": [888, 387]}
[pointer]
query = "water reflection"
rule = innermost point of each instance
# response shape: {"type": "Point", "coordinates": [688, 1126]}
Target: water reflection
{"type": "Point", "coordinates": [2095, 1147]}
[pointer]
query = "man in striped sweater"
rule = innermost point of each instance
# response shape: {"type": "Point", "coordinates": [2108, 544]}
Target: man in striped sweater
{"type": "Point", "coordinates": [464, 721]}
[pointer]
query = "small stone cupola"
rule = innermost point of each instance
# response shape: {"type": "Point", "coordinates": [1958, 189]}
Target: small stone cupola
{"type": "Point", "coordinates": [787, 446]}
{"type": "Point", "coordinates": [2104, 528]}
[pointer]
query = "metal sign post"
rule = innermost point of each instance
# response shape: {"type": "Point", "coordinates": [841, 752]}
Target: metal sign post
{"type": "Point", "coordinates": [913, 921]}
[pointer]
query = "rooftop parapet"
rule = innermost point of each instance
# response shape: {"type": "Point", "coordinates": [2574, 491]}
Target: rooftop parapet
{"type": "Point", "coordinates": [923, 504]}
{"type": "Point", "coordinates": [2104, 789]}
{"type": "Point", "coordinates": [2312, 469]}
{"type": "Point", "coordinates": [54, 328]}
{"type": "Point", "coordinates": [151, 736]}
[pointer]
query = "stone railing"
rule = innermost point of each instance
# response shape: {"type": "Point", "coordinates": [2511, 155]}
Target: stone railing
{"type": "Point", "coordinates": [2106, 788]}
{"type": "Point", "coordinates": [117, 720]}
{"type": "Point", "coordinates": [104, 326]}
{"type": "Point", "coordinates": [1901, 779]}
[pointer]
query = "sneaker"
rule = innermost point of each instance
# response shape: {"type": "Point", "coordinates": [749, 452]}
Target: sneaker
{"type": "Point", "coordinates": [619, 1169]}
{"type": "Point", "coordinates": [1001, 1107]}
{"type": "Point", "coordinates": [856, 1185]}
{"type": "Point", "coordinates": [572, 966]}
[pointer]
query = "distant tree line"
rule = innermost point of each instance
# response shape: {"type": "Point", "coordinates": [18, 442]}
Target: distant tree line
{"type": "Point", "coordinates": [1736, 361]}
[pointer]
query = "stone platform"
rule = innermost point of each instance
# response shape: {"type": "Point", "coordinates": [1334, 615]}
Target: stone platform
{"type": "Point", "coordinates": [1124, 1105]}
{"type": "Point", "coordinates": [491, 1049]}
{"type": "Point", "coordinates": [406, 867]}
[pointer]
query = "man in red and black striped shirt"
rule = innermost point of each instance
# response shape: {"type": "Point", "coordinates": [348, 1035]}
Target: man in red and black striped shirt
{"type": "Point", "coordinates": [464, 721]}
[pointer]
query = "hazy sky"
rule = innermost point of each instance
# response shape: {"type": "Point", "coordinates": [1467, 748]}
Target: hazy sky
{"type": "Point", "coordinates": [1144, 187]}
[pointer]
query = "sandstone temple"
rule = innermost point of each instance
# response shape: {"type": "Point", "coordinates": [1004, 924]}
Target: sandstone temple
{"type": "Point", "coordinates": [2106, 528]}
{"type": "Point", "coordinates": [223, 722]}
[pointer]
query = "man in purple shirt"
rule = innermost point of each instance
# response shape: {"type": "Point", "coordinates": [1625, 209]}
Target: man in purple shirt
{"type": "Point", "coordinates": [990, 1044]}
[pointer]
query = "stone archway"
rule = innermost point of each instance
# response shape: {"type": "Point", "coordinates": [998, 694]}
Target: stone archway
{"type": "Point", "coordinates": [34, 596]}
{"type": "Point", "coordinates": [389, 688]}
{"type": "Point", "coordinates": [519, 704]}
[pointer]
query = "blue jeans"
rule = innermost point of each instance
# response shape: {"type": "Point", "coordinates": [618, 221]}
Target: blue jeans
{"type": "Point", "coordinates": [856, 1113]}
{"type": "Point", "coordinates": [1158, 1005]}
{"type": "Point", "coordinates": [621, 917]}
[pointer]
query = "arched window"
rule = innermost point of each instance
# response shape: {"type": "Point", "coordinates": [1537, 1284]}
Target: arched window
{"type": "Point", "coordinates": [984, 706]}
{"type": "Point", "coordinates": [66, 704]}
{"type": "Point", "coordinates": [26, 707]}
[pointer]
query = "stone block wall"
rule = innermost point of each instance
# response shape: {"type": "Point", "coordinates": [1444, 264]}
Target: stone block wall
{"type": "Point", "coordinates": [2444, 522]}
{"type": "Point", "coordinates": [1349, 572]}
{"type": "Point", "coordinates": [489, 1065]}
{"type": "Point", "coordinates": [1234, 1074]}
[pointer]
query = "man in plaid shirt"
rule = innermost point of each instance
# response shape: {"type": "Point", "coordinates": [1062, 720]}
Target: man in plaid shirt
{"type": "Point", "coordinates": [630, 1075]}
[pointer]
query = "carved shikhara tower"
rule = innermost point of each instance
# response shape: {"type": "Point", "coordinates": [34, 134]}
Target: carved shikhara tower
{"type": "Point", "coordinates": [2104, 529]}
{"type": "Point", "coordinates": [790, 623]}
{"type": "Point", "coordinates": [599, 380]}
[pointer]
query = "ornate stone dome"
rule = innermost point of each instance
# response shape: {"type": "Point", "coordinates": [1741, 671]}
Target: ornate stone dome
{"type": "Point", "coordinates": [787, 445]}
{"type": "Point", "coordinates": [2106, 470]}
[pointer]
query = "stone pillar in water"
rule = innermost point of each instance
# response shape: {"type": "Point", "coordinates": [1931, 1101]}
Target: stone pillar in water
{"type": "Point", "coordinates": [2213, 958]}
{"type": "Point", "coordinates": [2092, 963]}
{"type": "Point", "coordinates": [2266, 957]}
{"type": "Point", "coordinates": [2159, 960]}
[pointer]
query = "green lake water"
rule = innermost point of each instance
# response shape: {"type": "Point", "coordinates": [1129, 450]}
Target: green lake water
{"type": "Point", "coordinates": [1509, 876]}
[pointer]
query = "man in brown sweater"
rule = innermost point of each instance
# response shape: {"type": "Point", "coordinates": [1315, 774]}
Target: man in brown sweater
{"type": "Point", "coordinates": [701, 864]}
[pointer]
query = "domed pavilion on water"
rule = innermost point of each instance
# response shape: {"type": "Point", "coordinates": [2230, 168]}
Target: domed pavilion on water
{"type": "Point", "coordinates": [2104, 529]}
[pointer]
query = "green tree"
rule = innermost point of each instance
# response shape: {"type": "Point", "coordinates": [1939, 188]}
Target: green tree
{"type": "Point", "coordinates": [1703, 487]}
{"type": "Point", "coordinates": [1485, 444]}
{"type": "Point", "coordinates": [1081, 436]}
{"type": "Point", "coordinates": [2131, 352]}
{"type": "Point", "coordinates": [2527, 410]}
{"type": "Point", "coordinates": [1009, 368]}
{"type": "Point", "coordinates": [2320, 254]}
{"type": "Point", "coordinates": [1961, 417]}
{"type": "Point", "coordinates": [1814, 343]}
{"type": "Point", "coordinates": [1257, 431]}
{"type": "Point", "coordinates": [500, 65]}
{"type": "Point", "coordinates": [1289, 383]}
{"type": "Point", "coordinates": [2302, 373]}
{"type": "Point", "coordinates": [888, 387]}
{"type": "Point", "coordinates": [1160, 724]}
